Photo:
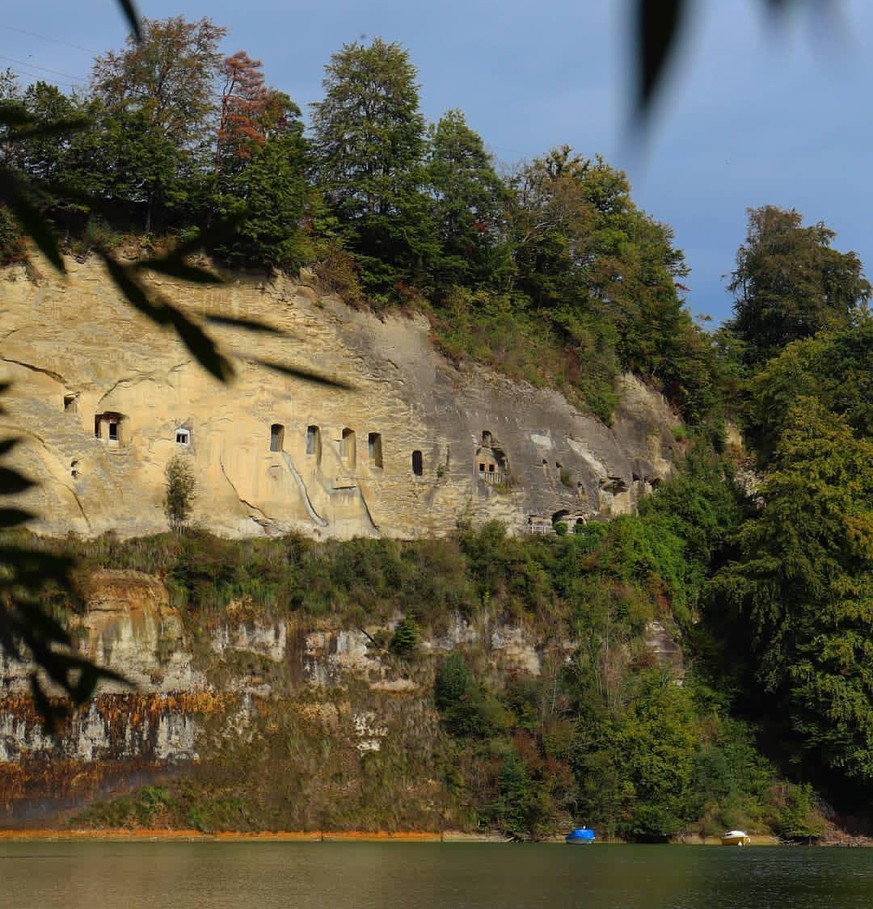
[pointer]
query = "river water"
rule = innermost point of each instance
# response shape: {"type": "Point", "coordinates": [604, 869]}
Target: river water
{"type": "Point", "coordinates": [222, 875]}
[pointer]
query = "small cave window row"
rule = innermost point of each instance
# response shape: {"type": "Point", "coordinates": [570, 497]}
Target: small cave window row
{"type": "Point", "coordinates": [348, 446]}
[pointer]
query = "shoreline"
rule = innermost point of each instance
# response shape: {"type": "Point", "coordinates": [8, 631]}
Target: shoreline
{"type": "Point", "coordinates": [138, 835]}
{"type": "Point", "coordinates": [280, 836]}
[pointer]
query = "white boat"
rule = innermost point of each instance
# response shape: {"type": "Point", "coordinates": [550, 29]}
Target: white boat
{"type": "Point", "coordinates": [735, 838]}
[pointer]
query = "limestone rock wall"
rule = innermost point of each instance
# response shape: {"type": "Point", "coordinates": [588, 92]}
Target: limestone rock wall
{"type": "Point", "coordinates": [408, 447]}
{"type": "Point", "coordinates": [190, 691]}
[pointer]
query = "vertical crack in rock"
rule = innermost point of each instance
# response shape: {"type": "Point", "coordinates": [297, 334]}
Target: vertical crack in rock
{"type": "Point", "coordinates": [243, 501]}
{"type": "Point", "coordinates": [310, 508]}
{"type": "Point", "coordinates": [77, 500]}
{"type": "Point", "coordinates": [373, 524]}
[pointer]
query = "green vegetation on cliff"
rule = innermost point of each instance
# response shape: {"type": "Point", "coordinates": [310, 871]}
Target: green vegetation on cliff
{"type": "Point", "coordinates": [551, 273]}
{"type": "Point", "coordinates": [768, 593]}
{"type": "Point", "coordinates": [607, 731]}
{"type": "Point", "coordinates": [388, 210]}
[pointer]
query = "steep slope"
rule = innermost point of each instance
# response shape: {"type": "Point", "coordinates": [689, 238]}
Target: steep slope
{"type": "Point", "coordinates": [408, 446]}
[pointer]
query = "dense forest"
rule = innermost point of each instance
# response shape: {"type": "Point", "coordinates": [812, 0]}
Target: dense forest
{"type": "Point", "coordinates": [549, 272]}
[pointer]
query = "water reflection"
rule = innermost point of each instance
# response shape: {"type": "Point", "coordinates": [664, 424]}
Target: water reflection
{"type": "Point", "coordinates": [225, 875]}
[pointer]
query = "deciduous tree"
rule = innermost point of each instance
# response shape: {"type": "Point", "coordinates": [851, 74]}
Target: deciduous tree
{"type": "Point", "coordinates": [789, 283]}
{"type": "Point", "coordinates": [158, 95]}
{"type": "Point", "coordinates": [261, 166]}
{"type": "Point", "coordinates": [179, 492]}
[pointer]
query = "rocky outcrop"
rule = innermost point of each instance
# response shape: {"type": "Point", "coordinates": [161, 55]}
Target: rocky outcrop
{"type": "Point", "coordinates": [195, 686]}
{"type": "Point", "coordinates": [407, 446]}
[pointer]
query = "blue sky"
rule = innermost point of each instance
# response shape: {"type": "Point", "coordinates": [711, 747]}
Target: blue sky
{"type": "Point", "coordinates": [752, 115]}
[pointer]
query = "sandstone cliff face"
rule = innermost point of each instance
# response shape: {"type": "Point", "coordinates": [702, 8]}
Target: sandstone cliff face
{"type": "Point", "coordinates": [409, 448]}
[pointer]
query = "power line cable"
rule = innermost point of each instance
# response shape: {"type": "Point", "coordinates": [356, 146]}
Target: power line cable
{"type": "Point", "coordinates": [79, 79]}
{"type": "Point", "coordinates": [24, 31]}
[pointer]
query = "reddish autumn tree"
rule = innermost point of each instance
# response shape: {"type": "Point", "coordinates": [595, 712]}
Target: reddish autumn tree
{"type": "Point", "coordinates": [260, 168]}
{"type": "Point", "coordinates": [250, 113]}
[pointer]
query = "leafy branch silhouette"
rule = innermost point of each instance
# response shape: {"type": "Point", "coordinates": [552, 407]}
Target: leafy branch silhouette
{"type": "Point", "coordinates": [31, 629]}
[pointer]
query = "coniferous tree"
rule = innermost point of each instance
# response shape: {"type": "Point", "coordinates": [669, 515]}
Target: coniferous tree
{"type": "Point", "coordinates": [469, 205]}
{"type": "Point", "coordinates": [803, 584]}
{"type": "Point", "coordinates": [368, 144]}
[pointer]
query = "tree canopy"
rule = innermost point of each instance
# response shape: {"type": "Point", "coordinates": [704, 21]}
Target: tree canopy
{"type": "Point", "coordinates": [789, 283]}
{"type": "Point", "coordinates": [368, 145]}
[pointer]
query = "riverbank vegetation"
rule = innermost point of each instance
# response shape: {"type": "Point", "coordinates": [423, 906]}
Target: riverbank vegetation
{"type": "Point", "coordinates": [608, 731]}
{"type": "Point", "coordinates": [548, 271]}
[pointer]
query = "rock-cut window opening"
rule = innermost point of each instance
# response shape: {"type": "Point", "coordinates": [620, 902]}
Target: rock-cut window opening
{"type": "Point", "coordinates": [107, 427]}
{"type": "Point", "coordinates": [313, 442]}
{"type": "Point", "coordinates": [417, 464]}
{"type": "Point", "coordinates": [183, 436]}
{"type": "Point", "coordinates": [348, 451]}
{"type": "Point", "coordinates": [71, 403]}
{"type": "Point", "coordinates": [374, 449]}
{"type": "Point", "coordinates": [277, 437]}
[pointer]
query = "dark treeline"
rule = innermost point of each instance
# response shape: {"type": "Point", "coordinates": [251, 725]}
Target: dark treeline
{"type": "Point", "coordinates": [390, 210]}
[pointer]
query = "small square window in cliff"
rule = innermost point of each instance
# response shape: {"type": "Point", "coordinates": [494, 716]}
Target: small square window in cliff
{"type": "Point", "coordinates": [107, 427]}
{"type": "Point", "coordinates": [183, 436]}
{"type": "Point", "coordinates": [417, 464]}
{"type": "Point", "coordinates": [374, 449]}
{"type": "Point", "coordinates": [277, 437]}
{"type": "Point", "coordinates": [348, 448]}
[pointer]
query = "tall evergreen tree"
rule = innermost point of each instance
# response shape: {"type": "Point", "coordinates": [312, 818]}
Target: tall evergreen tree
{"type": "Point", "coordinates": [469, 205]}
{"type": "Point", "coordinates": [804, 584]}
{"type": "Point", "coordinates": [368, 144]}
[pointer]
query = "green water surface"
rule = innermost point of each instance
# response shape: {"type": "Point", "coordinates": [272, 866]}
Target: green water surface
{"type": "Point", "coordinates": [225, 875]}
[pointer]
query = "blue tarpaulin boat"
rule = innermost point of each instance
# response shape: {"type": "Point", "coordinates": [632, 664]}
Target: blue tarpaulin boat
{"type": "Point", "coordinates": [580, 835]}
